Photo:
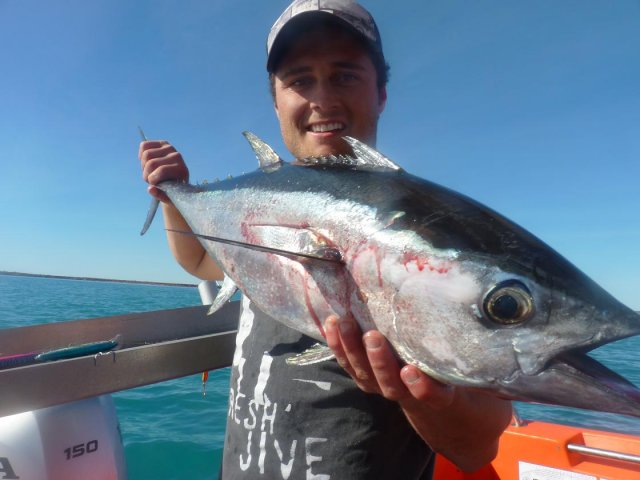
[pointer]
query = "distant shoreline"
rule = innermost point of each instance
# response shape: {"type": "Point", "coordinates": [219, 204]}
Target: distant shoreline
{"type": "Point", "coordinates": [94, 279]}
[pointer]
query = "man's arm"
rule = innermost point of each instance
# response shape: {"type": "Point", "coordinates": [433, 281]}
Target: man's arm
{"type": "Point", "coordinates": [462, 424]}
{"type": "Point", "coordinates": [160, 161]}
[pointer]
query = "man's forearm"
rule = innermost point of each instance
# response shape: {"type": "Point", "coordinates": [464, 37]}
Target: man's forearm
{"type": "Point", "coordinates": [186, 249]}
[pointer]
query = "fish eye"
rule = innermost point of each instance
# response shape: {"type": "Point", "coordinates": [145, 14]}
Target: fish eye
{"type": "Point", "coordinates": [508, 303]}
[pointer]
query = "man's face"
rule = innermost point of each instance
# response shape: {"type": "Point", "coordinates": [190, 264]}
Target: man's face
{"type": "Point", "coordinates": [325, 88]}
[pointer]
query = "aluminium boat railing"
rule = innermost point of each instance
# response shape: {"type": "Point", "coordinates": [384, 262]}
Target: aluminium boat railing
{"type": "Point", "coordinates": [151, 347]}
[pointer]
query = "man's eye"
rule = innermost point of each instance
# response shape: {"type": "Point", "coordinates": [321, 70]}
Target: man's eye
{"type": "Point", "coordinates": [300, 82]}
{"type": "Point", "coordinates": [346, 78]}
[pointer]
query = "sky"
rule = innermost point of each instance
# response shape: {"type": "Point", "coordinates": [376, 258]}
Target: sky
{"type": "Point", "coordinates": [532, 108]}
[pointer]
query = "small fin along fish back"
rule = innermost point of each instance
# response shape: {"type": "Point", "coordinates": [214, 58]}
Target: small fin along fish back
{"type": "Point", "coordinates": [268, 159]}
{"type": "Point", "coordinates": [371, 159]}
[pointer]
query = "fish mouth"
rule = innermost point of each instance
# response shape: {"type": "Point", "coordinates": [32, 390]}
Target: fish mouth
{"type": "Point", "coordinates": [575, 379]}
{"type": "Point", "coordinates": [596, 373]}
{"type": "Point", "coordinates": [571, 377]}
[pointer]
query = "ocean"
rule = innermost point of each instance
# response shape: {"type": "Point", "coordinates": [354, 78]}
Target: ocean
{"type": "Point", "coordinates": [170, 430]}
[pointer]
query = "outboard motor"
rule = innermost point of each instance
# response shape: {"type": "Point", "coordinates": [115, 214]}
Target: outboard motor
{"type": "Point", "coordinates": [75, 441]}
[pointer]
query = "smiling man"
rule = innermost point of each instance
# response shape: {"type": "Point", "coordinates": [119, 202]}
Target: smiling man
{"type": "Point", "coordinates": [325, 87]}
{"type": "Point", "coordinates": [364, 416]}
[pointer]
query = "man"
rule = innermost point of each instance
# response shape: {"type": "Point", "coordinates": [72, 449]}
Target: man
{"type": "Point", "coordinates": [328, 77]}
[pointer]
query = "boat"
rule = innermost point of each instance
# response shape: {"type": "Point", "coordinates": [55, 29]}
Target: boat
{"type": "Point", "coordinates": [53, 427]}
{"type": "Point", "coordinates": [532, 450]}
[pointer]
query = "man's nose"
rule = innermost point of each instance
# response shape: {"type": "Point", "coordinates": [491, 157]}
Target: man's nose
{"type": "Point", "coordinates": [325, 97]}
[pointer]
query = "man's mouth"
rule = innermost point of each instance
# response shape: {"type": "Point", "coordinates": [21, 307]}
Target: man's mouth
{"type": "Point", "coordinates": [326, 127]}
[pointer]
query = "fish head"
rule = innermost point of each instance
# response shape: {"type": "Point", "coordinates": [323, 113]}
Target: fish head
{"type": "Point", "coordinates": [519, 328]}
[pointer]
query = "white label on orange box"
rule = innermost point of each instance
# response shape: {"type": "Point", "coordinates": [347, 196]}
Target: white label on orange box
{"type": "Point", "coordinates": [531, 471]}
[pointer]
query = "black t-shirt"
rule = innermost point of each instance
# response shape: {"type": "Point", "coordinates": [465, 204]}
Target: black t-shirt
{"type": "Point", "coordinates": [309, 422]}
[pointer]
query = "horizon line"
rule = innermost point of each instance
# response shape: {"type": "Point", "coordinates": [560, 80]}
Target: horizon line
{"type": "Point", "coordinates": [96, 279]}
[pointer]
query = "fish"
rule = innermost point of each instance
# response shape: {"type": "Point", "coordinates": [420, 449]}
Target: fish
{"type": "Point", "coordinates": [466, 295]}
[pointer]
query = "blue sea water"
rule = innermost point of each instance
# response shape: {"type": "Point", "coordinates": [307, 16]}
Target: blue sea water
{"type": "Point", "coordinates": [169, 430]}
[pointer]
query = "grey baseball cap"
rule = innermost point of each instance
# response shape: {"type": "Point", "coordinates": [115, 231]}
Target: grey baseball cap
{"type": "Point", "coordinates": [347, 12]}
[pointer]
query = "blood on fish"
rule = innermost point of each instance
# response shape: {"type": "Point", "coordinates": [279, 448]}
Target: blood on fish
{"type": "Point", "coordinates": [312, 312]}
{"type": "Point", "coordinates": [378, 257]}
{"type": "Point", "coordinates": [422, 263]}
{"type": "Point", "coordinates": [245, 231]}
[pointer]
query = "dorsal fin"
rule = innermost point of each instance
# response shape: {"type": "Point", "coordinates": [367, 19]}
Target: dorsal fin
{"type": "Point", "coordinates": [268, 159]}
{"type": "Point", "coordinates": [329, 160]}
{"type": "Point", "coordinates": [370, 158]}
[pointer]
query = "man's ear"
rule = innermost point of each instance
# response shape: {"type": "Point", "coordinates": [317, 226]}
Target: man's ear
{"type": "Point", "coordinates": [382, 99]}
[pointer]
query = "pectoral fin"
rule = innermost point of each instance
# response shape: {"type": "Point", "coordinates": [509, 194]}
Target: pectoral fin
{"type": "Point", "coordinates": [224, 295]}
{"type": "Point", "coordinates": [321, 253]}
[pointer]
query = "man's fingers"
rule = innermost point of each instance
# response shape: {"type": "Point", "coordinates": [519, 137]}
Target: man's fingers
{"type": "Point", "coordinates": [351, 338]}
{"type": "Point", "coordinates": [169, 167]}
{"type": "Point", "coordinates": [370, 360]}
{"type": "Point", "coordinates": [149, 145]}
{"type": "Point", "coordinates": [154, 154]}
{"type": "Point", "coordinates": [385, 366]}
{"type": "Point", "coordinates": [425, 389]}
{"type": "Point", "coordinates": [333, 341]}
{"type": "Point", "coordinates": [345, 344]}
{"type": "Point", "coordinates": [159, 194]}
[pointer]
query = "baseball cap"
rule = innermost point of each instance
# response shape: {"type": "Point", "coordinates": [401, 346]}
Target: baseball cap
{"type": "Point", "coordinates": [346, 12]}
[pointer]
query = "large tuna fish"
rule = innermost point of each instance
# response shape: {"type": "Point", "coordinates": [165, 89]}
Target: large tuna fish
{"type": "Point", "coordinates": [460, 291]}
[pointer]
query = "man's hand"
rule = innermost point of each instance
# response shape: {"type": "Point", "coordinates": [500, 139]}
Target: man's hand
{"type": "Point", "coordinates": [375, 369]}
{"type": "Point", "coordinates": [462, 424]}
{"type": "Point", "coordinates": [161, 161]}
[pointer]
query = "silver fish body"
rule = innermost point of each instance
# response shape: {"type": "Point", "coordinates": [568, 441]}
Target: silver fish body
{"type": "Point", "coordinates": [466, 295]}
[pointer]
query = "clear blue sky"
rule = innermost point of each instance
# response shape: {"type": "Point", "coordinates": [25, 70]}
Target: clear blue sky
{"type": "Point", "coordinates": [530, 107]}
